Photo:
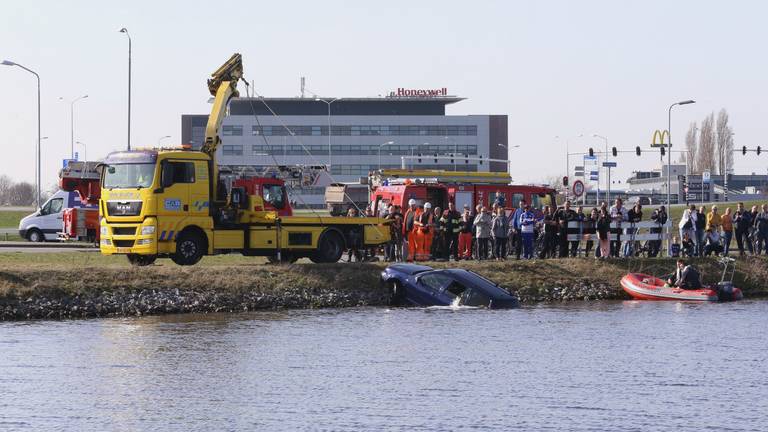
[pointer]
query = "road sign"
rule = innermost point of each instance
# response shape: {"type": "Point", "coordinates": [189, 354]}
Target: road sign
{"type": "Point", "coordinates": [578, 188]}
{"type": "Point", "coordinates": [705, 176]}
{"type": "Point", "coordinates": [578, 168]}
{"type": "Point", "coordinates": [77, 156]}
{"type": "Point", "coordinates": [609, 164]}
{"type": "Point", "coordinates": [590, 160]}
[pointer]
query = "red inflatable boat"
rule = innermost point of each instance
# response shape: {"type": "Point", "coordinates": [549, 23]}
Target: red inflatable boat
{"type": "Point", "coordinates": [645, 287]}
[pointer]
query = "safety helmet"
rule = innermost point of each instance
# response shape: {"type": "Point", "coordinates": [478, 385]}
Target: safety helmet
{"type": "Point", "coordinates": [411, 202]}
{"type": "Point", "coordinates": [427, 205]}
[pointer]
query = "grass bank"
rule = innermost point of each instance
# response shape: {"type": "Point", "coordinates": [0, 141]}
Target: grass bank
{"type": "Point", "coordinates": [43, 289]}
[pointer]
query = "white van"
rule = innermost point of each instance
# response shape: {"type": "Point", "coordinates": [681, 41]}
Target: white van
{"type": "Point", "coordinates": [46, 223]}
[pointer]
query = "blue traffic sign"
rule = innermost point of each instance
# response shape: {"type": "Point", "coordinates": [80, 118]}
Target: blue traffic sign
{"type": "Point", "coordinates": [609, 164]}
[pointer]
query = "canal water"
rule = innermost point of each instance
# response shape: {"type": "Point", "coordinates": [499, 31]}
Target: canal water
{"type": "Point", "coordinates": [600, 366]}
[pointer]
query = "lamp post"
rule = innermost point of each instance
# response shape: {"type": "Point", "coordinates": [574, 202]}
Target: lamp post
{"type": "Point", "coordinates": [669, 159]}
{"type": "Point", "coordinates": [380, 146]}
{"type": "Point", "coordinates": [39, 139]}
{"type": "Point", "coordinates": [72, 124]}
{"type": "Point", "coordinates": [125, 30]}
{"type": "Point", "coordinates": [504, 146]}
{"type": "Point", "coordinates": [85, 150]}
{"type": "Point", "coordinates": [162, 138]}
{"type": "Point", "coordinates": [329, 126]}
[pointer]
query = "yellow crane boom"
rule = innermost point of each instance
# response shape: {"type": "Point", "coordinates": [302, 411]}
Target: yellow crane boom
{"type": "Point", "coordinates": [223, 87]}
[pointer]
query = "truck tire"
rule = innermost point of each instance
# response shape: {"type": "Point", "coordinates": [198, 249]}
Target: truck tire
{"type": "Point", "coordinates": [190, 248]}
{"type": "Point", "coordinates": [35, 235]}
{"type": "Point", "coordinates": [141, 260]}
{"type": "Point", "coordinates": [329, 249]}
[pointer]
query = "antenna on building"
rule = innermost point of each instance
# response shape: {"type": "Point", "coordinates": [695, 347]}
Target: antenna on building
{"type": "Point", "coordinates": [302, 87]}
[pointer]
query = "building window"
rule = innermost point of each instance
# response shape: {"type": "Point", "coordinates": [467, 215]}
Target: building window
{"type": "Point", "coordinates": [232, 130]}
{"type": "Point", "coordinates": [359, 130]}
{"type": "Point", "coordinates": [232, 150]}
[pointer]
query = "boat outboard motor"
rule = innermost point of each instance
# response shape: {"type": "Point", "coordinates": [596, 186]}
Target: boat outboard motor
{"type": "Point", "coordinates": [725, 291]}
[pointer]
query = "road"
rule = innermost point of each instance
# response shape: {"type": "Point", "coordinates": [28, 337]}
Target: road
{"type": "Point", "coordinates": [46, 247]}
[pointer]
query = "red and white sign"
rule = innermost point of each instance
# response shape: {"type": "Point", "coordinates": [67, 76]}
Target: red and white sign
{"type": "Point", "coordinates": [578, 188]}
{"type": "Point", "coordinates": [404, 92]}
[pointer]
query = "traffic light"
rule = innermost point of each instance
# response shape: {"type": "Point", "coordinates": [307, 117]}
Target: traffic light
{"type": "Point", "coordinates": [591, 152]}
{"type": "Point", "coordinates": [663, 151]}
{"type": "Point", "coordinates": [419, 157]}
{"type": "Point", "coordinates": [683, 180]}
{"type": "Point", "coordinates": [743, 150]}
{"type": "Point", "coordinates": [435, 157]}
{"type": "Point", "coordinates": [758, 150]}
{"type": "Point", "coordinates": [614, 151]}
{"type": "Point", "coordinates": [452, 159]}
{"type": "Point", "coordinates": [565, 181]}
{"type": "Point", "coordinates": [637, 150]}
{"type": "Point", "coordinates": [481, 159]}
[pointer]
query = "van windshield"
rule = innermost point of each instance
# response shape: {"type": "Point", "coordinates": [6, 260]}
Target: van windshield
{"type": "Point", "coordinates": [128, 176]}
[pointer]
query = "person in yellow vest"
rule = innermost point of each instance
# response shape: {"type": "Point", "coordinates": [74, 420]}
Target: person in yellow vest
{"type": "Point", "coordinates": [423, 233]}
{"type": "Point", "coordinates": [727, 223]}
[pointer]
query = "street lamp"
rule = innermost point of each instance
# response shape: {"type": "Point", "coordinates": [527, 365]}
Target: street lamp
{"type": "Point", "coordinates": [162, 138]}
{"type": "Point", "coordinates": [39, 139]}
{"type": "Point", "coordinates": [329, 126]}
{"type": "Point", "coordinates": [72, 123]}
{"type": "Point", "coordinates": [382, 145]}
{"type": "Point", "coordinates": [85, 151]}
{"type": "Point", "coordinates": [125, 30]}
{"type": "Point", "coordinates": [669, 159]}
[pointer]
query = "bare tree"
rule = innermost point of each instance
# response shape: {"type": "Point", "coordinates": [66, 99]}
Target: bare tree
{"type": "Point", "coordinates": [706, 160]}
{"type": "Point", "coordinates": [5, 186]}
{"type": "Point", "coordinates": [21, 194]}
{"type": "Point", "coordinates": [723, 133]}
{"type": "Point", "coordinates": [691, 147]}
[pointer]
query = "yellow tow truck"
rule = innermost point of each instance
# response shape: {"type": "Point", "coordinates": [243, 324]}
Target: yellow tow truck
{"type": "Point", "coordinates": [171, 202]}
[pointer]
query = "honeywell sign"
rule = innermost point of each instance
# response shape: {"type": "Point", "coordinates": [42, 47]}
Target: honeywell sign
{"type": "Point", "coordinates": [404, 92]}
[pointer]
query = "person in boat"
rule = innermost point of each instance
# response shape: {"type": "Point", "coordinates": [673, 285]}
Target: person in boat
{"type": "Point", "coordinates": [685, 277]}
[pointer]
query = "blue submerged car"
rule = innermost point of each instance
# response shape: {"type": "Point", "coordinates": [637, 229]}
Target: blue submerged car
{"type": "Point", "coordinates": [410, 284]}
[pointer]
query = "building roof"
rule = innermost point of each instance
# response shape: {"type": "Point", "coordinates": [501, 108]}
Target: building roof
{"type": "Point", "coordinates": [342, 106]}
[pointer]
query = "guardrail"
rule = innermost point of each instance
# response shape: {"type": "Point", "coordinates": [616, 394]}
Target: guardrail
{"type": "Point", "coordinates": [635, 231]}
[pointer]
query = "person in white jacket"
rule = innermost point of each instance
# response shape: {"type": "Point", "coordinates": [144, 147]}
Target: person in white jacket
{"type": "Point", "coordinates": [688, 222]}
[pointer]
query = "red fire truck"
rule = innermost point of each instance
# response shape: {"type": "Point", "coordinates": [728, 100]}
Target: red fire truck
{"type": "Point", "coordinates": [461, 188]}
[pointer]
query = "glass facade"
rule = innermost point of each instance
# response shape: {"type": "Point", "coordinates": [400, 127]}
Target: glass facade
{"type": "Point", "coordinates": [363, 170]}
{"type": "Point", "coordinates": [355, 150]}
{"type": "Point", "coordinates": [362, 130]}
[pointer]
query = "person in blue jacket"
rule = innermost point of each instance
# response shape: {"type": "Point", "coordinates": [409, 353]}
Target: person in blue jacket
{"type": "Point", "coordinates": [527, 225]}
{"type": "Point", "coordinates": [515, 237]}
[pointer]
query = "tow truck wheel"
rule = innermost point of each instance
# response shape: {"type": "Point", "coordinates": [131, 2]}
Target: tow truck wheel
{"type": "Point", "coordinates": [141, 260]}
{"type": "Point", "coordinates": [189, 249]}
{"type": "Point", "coordinates": [330, 248]}
{"type": "Point", "coordinates": [35, 236]}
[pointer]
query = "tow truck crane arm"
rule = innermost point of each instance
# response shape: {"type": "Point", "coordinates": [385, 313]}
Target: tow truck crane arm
{"type": "Point", "coordinates": [223, 87]}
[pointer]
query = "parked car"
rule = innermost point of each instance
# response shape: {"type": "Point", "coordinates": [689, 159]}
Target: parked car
{"type": "Point", "coordinates": [410, 284]}
{"type": "Point", "coordinates": [48, 221]}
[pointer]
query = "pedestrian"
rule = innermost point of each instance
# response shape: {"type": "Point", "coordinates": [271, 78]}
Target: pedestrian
{"type": "Point", "coordinates": [582, 221]}
{"type": "Point", "coordinates": [761, 230]}
{"type": "Point", "coordinates": [712, 242]}
{"type": "Point", "coordinates": [726, 221]}
{"type": "Point", "coordinates": [499, 229]}
{"type": "Point", "coordinates": [527, 225]}
{"type": "Point", "coordinates": [742, 220]}
{"type": "Point", "coordinates": [590, 230]}
{"type": "Point", "coordinates": [409, 230]}
{"type": "Point", "coordinates": [564, 216]}
{"type": "Point", "coordinates": [499, 201]}
{"type": "Point", "coordinates": [604, 233]}
{"type": "Point", "coordinates": [618, 214]}
{"type": "Point", "coordinates": [465, 234]}
{"type": "Point", "coordinates": [659, 216]}
{"type": "Point", "coordinates": [424, 234]}
{"type": "Point", "coordinates": [478, 210]}
{"type": "Point", "coordinates": [389, 214]}
{"type": "Point", "coordinates": [451, 239]}
{"type": "Point", "coordinates": [355, 242]}
{"type": "Point", "coordinates": [436, 250]}
{"type": "Point", "coordinates": [550, 233]}
{"type": "Point", "coordinates": [515, 237]}
{"type": "Point", "coordinates": [688, 246]}
{"type": "Point", "coordinates": [674, 248]}
{"type": "Point", "coordinates": [714, 220]}
{"type": "Point", "coordinates": [483, 232]}
{"type": "Point", "coordinates": [701, 226]}
{"type": "Point", "coordinates": [634, 215]}
{"type": "Point", "coordinates": [687, 222]}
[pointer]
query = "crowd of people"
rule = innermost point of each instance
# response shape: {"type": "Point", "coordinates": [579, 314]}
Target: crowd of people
{"type": "Point", "coordinates": [423, 233]}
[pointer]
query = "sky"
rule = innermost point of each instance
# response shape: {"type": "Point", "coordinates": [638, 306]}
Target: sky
{"type": "Point", "coordinates": [556, 68]}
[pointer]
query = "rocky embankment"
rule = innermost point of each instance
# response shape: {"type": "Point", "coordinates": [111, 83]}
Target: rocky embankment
{"type": "Point", "coordinates": [56, 292]}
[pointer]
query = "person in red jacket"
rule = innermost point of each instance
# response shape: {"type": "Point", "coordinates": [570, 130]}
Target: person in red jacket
{"type": "Point", "coordinates": [409, 233]}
